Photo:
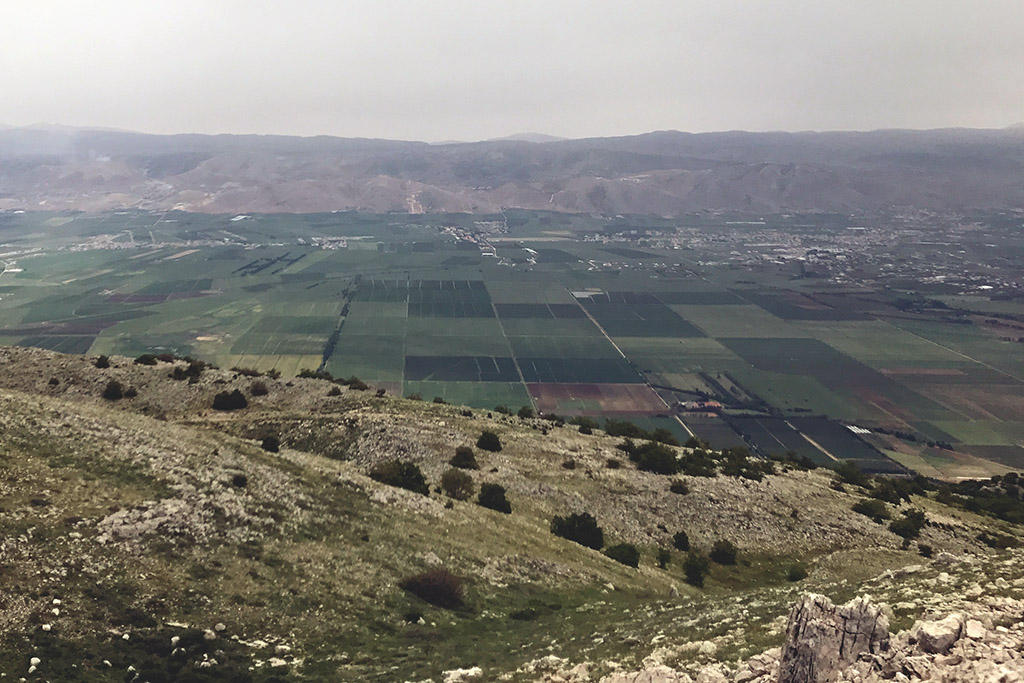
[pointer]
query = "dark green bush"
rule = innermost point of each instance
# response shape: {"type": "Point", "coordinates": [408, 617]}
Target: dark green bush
{"type": "Point", "coordinates": [656, 458]}
{"type": "Point", "coordinates": [664, 557]}
{"type": "Point", "coordinates": [796, 573]}
{"type": "Point", "coordinates": [401, 474]}
{"type": "Point", "coordinates": [230, 400]}
{"type": "Point", "coordinates": [146, 359]}
{"type": "Point", "coordinates": [925, 550]}
{"type": "Point", "coordinates": [504, 410]}
{"type": "Point", "coordinates": [909, 526]}
{"type": "Point", "coordinates": [849, 473]}
{"type": "Point", "coordinates": [439, 587]}
{"type": "Point", "coordinates": [113, 391]}
{"type": "Point", "coordinates": [681, 541]}
{"type": "Point", "coordinates": [723, 552]}
{"type": "Point", "coordinates": [258, 389]}
{"type": "Point", "coordinates": [103, 362]}
{"type": "Point", "coordinates": [696, 567]}
{"type": "Point", "coordinates": [492, 496]}
{"type": "Point", "coordinates": [525, 412]}
{"type": "Point", "coordinates": [624, 553]}
{"type": "Point", "coordinates": [464, 459]}
{"type": "Point", "coordinates": [579, 528]}
{"type": "Point", "coordinates": [679, 486]}
{"type": "Point", "coordinates": [489, 441]}
{"type": "Point", "coordinates": [457, 484]}
{"type": "Point", "coordinates": [873, 508]}
{"type": "Point", "coordinates": [271, 443]}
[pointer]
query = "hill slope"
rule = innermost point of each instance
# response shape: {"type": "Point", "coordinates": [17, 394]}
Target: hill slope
{"type": "Point", "coordinates": [126, 524]}
{"type": "Point", "coordinates": [664, 172]}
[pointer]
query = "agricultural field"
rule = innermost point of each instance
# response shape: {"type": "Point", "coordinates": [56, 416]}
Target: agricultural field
{"type": "Point", "coordinates": [558, 313]}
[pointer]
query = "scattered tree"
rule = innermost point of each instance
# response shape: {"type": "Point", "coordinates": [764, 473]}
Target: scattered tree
{"type": "Point", "coordinates": [624, 553]}
{"type": "Point", "coordinates": [492, 496]}
{"type": "Point", "coordinates": [489, 441]}
{"type": "Point", "coordinates": [696, 567]}
{"type": "Point", "coordinates": [230, 400]}
{"type": "Point", "coordinates": [723, 552]}
{"type": "Point", "coordinates": [908, 527]}
{"type": "Point", "coordinates": [402, 474]}
{"type": "Point", "coordinates": [664, 557]}
{"type": "Point", "coordinates": [457, 484]}
{"type": "Point", "coordinates": [681, 541]}
{"type": "Point", "coordinates": [464, 459]}
{"type": "Point", "coordinates": [579, 528]}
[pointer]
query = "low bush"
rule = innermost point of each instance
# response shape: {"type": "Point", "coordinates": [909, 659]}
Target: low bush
{"type": "Point", "coordinates": [113, 391]}
{"type": "Point", "coordinates": [401, 474]}
{"type": "Point", "coordinates": [146, 359]}
{"type": "Point", "coordinates": [492, 497]}
{"type": "Point", "coordinates": [723, 552]}
{"type": "Point", "coordinates": [796, 573]}
{"type": "Point", "coordinates": [924, 550]}
{"type": "Point", "coordinates": [271, 443]}
{"type": "Point", "coordinates": [504, 410]}
{"type": "Point", "coordinates": [873, 508]}
{"type": "Point", "coordinates": [258, 389]}
{"type": "Point", "coordinates": [664, 557]}
{"type": "Point", "coordinates": [613, 463]}
{"type": "Point", "coordinates": [230, 400]}
{"type": "Point", "coordinates": [525, 413]}
{"type": "Point", "coordinates": [681, 541]}
{"type": "Point", "coordinates": [464, 459]}
{"type": "Point", "coordinates": [579, 528]}
{"type": "Point", "coordinates": [624, 553]}
{"type": "Point", "coordinates": [696, 568]}
{"type": "Point", "coordinates": [679, 486]}
{"type": "Point", "coordinates": [103, 362]}
{"type": "Point", "coordinates": [489, 441]}
{"type": "Point", "coordinates": [438, 587]}
{"type": "Point", "coordinates": [247, 372]}
{"type": "Point", "coordinates": [998, 541]}
{"type": "Point", "coordinates": [849, 473]}
{"type": "Point", "coordinates": [908, 527]}
{"type": "Point", "coordinates": [457, 484]}
{"type": "Point", "coordinates": [656, 458]}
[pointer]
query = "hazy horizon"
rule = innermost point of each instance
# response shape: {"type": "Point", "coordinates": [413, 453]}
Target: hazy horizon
{"type": "Point", "coordinates": [456, 70]}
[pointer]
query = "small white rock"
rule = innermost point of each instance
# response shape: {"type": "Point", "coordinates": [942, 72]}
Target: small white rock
{"type": "Point", "coordinates": [35, 661]}
{"type": "Point", "coordinates": [219, 627]}
{"type": "Point", "coordinates": [46, 627]}
{"type": "Point", "coordinates": [175, 640]}
{"type": "Point", "coordinates": [125, 637]}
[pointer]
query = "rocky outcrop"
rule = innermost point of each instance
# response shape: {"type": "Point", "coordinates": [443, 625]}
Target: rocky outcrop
{"type": "Point", "coordinates": [822, 638]}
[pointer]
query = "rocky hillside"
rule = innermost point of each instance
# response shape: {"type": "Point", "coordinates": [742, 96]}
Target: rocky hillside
{"type": "Point", "coordinates": [665, 173]}
{"type": "Point", "coordinates": [148, 536]}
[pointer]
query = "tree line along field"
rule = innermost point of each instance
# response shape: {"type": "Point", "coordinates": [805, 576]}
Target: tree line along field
{"type": "Point", "coordinates": [414, 305]}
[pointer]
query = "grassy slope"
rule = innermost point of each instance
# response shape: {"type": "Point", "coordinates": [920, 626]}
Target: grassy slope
{"type": "Point", "coordinates": [134, 522]}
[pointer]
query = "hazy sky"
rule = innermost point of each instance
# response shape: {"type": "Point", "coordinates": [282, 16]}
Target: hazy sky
{"type": "Point", "coordinates": [453, 69]}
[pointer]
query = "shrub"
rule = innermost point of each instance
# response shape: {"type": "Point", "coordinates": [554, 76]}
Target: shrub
{"type": "Point", "coordinates": [457, 484]}
{"type": "Point", "coordinates": [439, 587]}
{"type": "Point", "coordinates": [335, 391]}
{"type": "Point", "coordinates": [998, 541]}
{"type": "Point", "coordinates": [414, 397]}
{"type": "Point", "coordinates": [681, 541]}
{"type": "Point", "coordinates": [525, 412]}
{"type": "Point", "coordinates": [656, 458]}
{"type": "Point", "coordinates": [258, 389]}
{"type": "Point", "coordinates": [624, 553]}
{"type": "Point", "coordinates": [489, 441]}
{"type": "Point", "coordinates": [569, 464]}
{"type": "Point", "coordinates": [53, 382]}
{"type": "Point", "coordinates": [925, 550]}
{"type": "Point", "coordinates": [130, 392]}
{"type": "Point", "coordinates": [504, 410]}
{"type": "Point", "coordinates": [873, 508]}
{"type": "Point", "coordinates": [664, 557]}
{"type": "Point", "coordinates": [796, 573]}
{"type": "Point", "coordinates": [696, 567]}
{"type": "Point", "coordinates": [492, 496]}
{"type": "Point", "coordinates": [908, 527]}
{"type": "Point", "coordinates": [439, 400]}
{"type": "Point", "coordinates": [723, 552]}
{"type": "Point", "coordinates": [584, 429]}
{"type": "Point", "coordinates": [239, 481]}
{"type": "Point", "coordinates": [613, 463]}
{"type": "Point", "coordinates": [679, 486]}
{"type": "Point", "coordinates": [230, 400]}
{"type": "Point", "coordinates": [402, 474]}
{"type": "Point", "coordinates": [247, 372]}
{"type": "Point", "coordinates": [166, 357]}
{"type": "Point", "coordinates": [146, 359]}
{"type": "Point", "coordinates": [354, 382]}
{"type": "Point", "coordinates": [103, 362]}
{"type": "Point", "coordinates": [113, 391]}
{"type": "Point", "coordinates": [271, 443]}
{"type": "Point", "coordinates": [464, 459]}
{"type": "Point", "coordinates": [579, 528]}
{"type": "Point", "coordinates": [849, 473]}
{"type": "Point", "coordinates": [698, 464]}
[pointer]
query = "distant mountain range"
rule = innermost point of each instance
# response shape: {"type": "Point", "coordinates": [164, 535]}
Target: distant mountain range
{"type": "Point", "coordinates": [664, 172]}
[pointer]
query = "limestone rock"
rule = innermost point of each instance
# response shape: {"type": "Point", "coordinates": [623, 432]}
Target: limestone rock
{"type": "Point", "coordinates": [936, 637]}
{"type": "Point", "coordinates": [822, 638]}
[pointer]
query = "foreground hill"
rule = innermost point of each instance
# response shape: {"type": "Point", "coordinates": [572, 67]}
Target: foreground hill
{"type": "Point", "coordinates": [153, 535]}
{"type": "Point", "coordinates": [666, 173]}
